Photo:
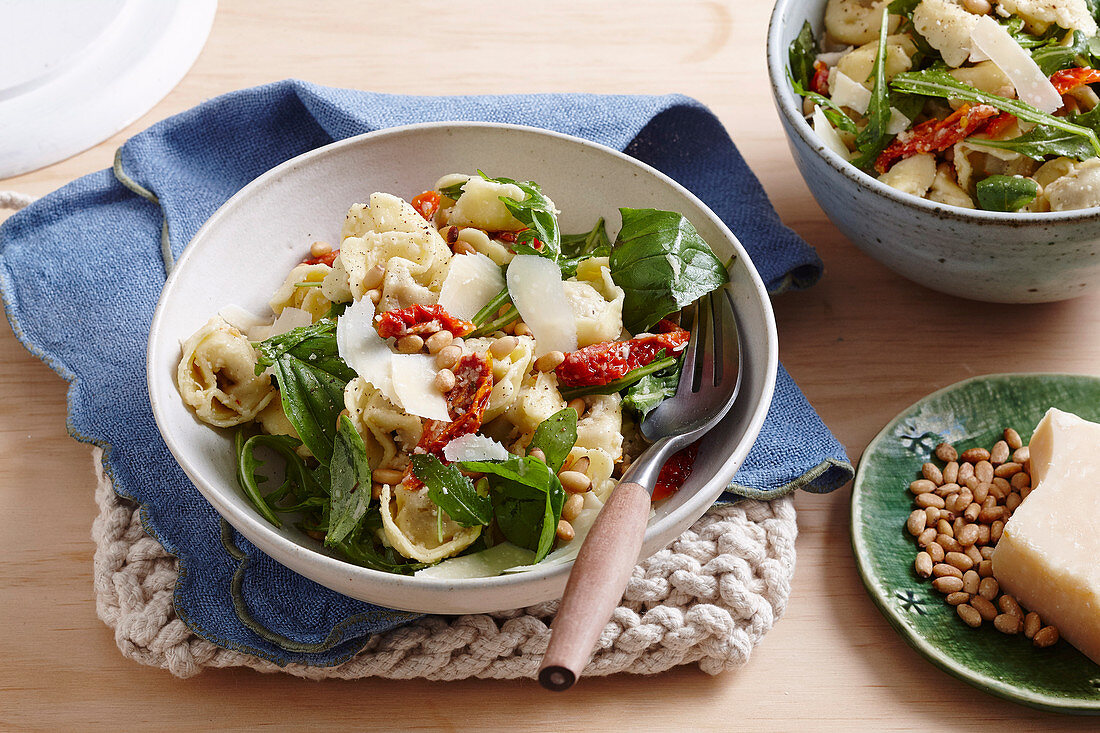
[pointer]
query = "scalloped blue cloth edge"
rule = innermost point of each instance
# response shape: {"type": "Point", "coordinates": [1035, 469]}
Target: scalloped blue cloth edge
{"type": "Point", "coordinates": [82, 268]}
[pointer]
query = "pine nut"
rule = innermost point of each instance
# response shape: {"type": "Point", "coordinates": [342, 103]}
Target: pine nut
{"type": "Point", "coordinates": [522, 329]}
{"type": "Point", "coordinates": [917, 522]}
{"type": "Point", "coordinates": [1032, 624]}
{"type": "Point", "coordinates": [574, 482]}
{"type": "Point", "coordinates": [973, 455]}
{"type": "Point", "coordinates": [375, 490]}
{"type": "Point", "coordinates": [549, 361]}
{"type": "Point", "coordinates": [957, 597]}
{"type": "Point", "coordinates": [927, 537]}
{"type": "Point", "coordinates": [957, 526]}
{"type": "Point", "coordinates": [966, 470]}
{"type": "Point", "coordinates": [374, 295]}
{"type": "Point", "coordinates": [922, 486]}
{"type": "Point", "coordinates": [947, 542]}
{"type": "Point", "coordinates": [944, 527]}
{"type": "Point", "coordinates": [502, 347]}
{"type": "Point", "coordinates": [578, 405]}
{"type": "Point", "coordinates": [946, 452]}
{"type": "Point", "coordinates": [444, 380]}
{"type": "Point", "coordinates": [936, 552]}
{"type": "Point", "coordinates": [973, 483]}
{"type": "Point", "coordinates": [947, 490]}
{"type": "Point", "coordinates": [923, 564]}
{"type": "Point", "coordinates": [997, 491]}
{"type": "Point", "coordinates": [1002, 485]}
{"type": "Point", "coordinates": [984, 471]}
{"type": "Point", "coordinates": [1012, 503]}
{"type": "Point", "coordinates": [1022, 455]}
{"type": "Point", "coordinates": [985, 609]}
{"type": "Point", "coordinates": [989, 588]}
{"type": "Point", "coordinates": [971, 581]}
{"type": "Point", "coordinates": [983, 535]}
{"type": "Point", "coordinates": [968, 535]}
{"type": "Point", "coordinates": [947, 584]}
{"type": "Point", "coordinates": [932, 515]}
{"type": "Point", "coordinates": [978, 7]}
{"type": "Point", "coordinates": [410, 344]}
{"type": "Point", "coordinates": [319, 249]}
{"type": "Point", "coordinates": [932, 472]}
{"type": "Point", "coordinates": [943, 570]}
{"type": "Point", "coordinates": [438, 340]}
{"type": "Point", "coordinates": [951, 502]}
{"type": "Point", "coordinates": [448, 356]}
{"type": "Point", "coordinates": [959, 560]}
{"type": "Point", "coordinates": [991, 514]}
{"type": "Point", "coordinates": [1008, 604]}
{"type": "Point", "coordinates": [1046, 636]}
{"type": "Point", "coordinates": [999, 454]}
{"type": "Point", "coordinates": [985, 569]}
{"type": "Point", "coordinates": [1021, 480]}
{"type": "Point", "coordinates": [572, 507]}
{"type": "Point", "coordinates": [537, 453]}
{"type": "Point", "coordinates": [1012, 438]}
{"type": "Point", "coordinates": [974, 554]}
{"type": "Point", "coordinates": [1006, 623]}
{"type": "Point", "coordinates": [374, 277]}
{"type": "Point", "coordinates": [969, 615]}
{"type": "Point", "coordinates": [971, 512]}
{"type": "Point", "coordinates": [1008, 470]}
{"type": "Point", "coordinates": [565, 531]}
{"type": "Point", "coordinates": [981, 492]}
{"type": "Point", "coordinates": [389, 476]}
{"type": "Point", "coordinates": [951, 473]}
{"type": "Point", "coordinates": [1024, 492]}
{"type": "Point", "coordinates": [581, 464]}
{"type": "Point", "coordinates": [987, 552]}
{"type": "Point", "coordinates": [463, 248]}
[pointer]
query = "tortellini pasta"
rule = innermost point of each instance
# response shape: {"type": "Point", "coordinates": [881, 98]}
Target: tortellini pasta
{"type": "Point", "coordinates": [309, 297]}
{"type": "Point", "coordinates": [597, 302]}
{"type": "Point", "coordinates": [414, 527]}
{"type": "Point", "coordinates": [480, 205]}
{"type": "Point", "coordinates": [946, 26]}
{"type": "Point", "coordinates": [857, 64]}
{"type": "Point", "coordinates": [1040, 14]}
{"type": "Point", "coordinates": [601, 426]}
{"type": "Point", "coordinates": [508, 373]}
{"type": "Point", "coordinates": [388, 432]}
{"type": "Point", "coordinates": [538, 399]}
{"type": "Point", "coordinates": [913, 175]}
{"type": "Point", "coordinates": [854, 21]}
{"type": "Point", "coordinates": [1078, 190]}
{"type": "Point", "coordinates": [217, 376]}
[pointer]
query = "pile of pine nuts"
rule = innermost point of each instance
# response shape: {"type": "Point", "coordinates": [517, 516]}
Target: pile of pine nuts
{"type": "Point", "coordinates": [962, 510]}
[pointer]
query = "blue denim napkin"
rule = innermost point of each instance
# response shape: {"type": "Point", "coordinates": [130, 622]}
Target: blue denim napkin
{"type": "Point", "coordinates": [81, 270]}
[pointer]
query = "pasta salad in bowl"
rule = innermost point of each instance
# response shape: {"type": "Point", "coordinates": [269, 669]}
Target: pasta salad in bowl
{"type": "Point", "coordinates": [439, 395]}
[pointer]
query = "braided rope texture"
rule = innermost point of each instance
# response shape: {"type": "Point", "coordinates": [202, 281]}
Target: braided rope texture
{"type": "Point", "coordinates": [14, 200]}
{"type": "Point", "coordinates": [707, 598]}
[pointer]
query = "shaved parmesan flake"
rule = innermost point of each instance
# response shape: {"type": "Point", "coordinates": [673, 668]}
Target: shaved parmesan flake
{"type": "Point", "coordinates": [535, 286]}
{"type": "Point", "coordinates": [413, 377]}
{"type": "Point", "coordinates": [484, 564]}
{"type": "Point", "coordinates": [1032, 85]}
{"type": "Point", "coordinates": [363, 349]}
{"type": "Point", "coordinates": [240, 319]}
{"type": "Point", "coordinates": [474, 447]}
{"type": "Point", "coordinates": [828, 134]}
{"type": "Point", "coordinates": [290, 319]}
{"type": "Point", "coordinates": [847, 92]}
{"type": "Point", "coordinates": [472, 281]}
{"type": "Point", "coordinates": [898, 122]}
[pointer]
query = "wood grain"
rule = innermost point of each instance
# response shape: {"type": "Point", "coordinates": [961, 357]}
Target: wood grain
{"type": "Point", "coordinates": [863, 344]}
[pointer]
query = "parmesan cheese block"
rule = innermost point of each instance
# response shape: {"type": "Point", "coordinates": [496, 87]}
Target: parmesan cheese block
{"type": "Point", "coordinates": [1047, 556]}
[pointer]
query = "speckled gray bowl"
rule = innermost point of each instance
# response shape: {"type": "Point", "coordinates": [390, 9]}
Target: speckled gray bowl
{"type": "Point", "coordinates": [984, 255]}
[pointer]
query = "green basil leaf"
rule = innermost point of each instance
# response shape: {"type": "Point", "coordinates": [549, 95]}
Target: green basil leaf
{"type": "Point", "coordinates": [314, 344]}
{"type": "Point", "coordinates": [527, 500]}
{"type": "Point", "coordinates": [555, 437]}
{"type": "Point", "coordinates": [1006, 193]}
{"type": "Point", "coordinates": [618, 385]}
{"type": "Point", "coordinates": [801, 56]}
{"type": "Point", "coordinates": [938, 83]}
{"type": "Point", "coordinates": [452, 492]}
{"type": "Point", "coordinates": [298, 481]}
{"type": "Point", "coordinates": [537, 213]}
{"type": "Point", "coordinates": [361, 548]}
{"type": "Point", "coordinates": [1055, 56]}
{"type": "Point", "coordinates": [873, 138]}
{"type": "Point", "coordinates": [351, 483]}
{"type": "Point", "coordinates": [453, 191]}
{"type": "Point", "coordinates": [312, 400]}
{"type": "Point", "coordinates": [662, 264]}
{"type": "Point", "coordinates": [651, 390]}
{"type": "Point", "coordinates": [903, 8]}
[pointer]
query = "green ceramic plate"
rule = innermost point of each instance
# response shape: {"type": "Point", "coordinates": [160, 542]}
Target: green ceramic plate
{"type": "Point", "coordinates": [968, 414]}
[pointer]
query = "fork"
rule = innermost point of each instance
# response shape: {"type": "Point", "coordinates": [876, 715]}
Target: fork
{"type": "Point", "coordinates": [707, 388]}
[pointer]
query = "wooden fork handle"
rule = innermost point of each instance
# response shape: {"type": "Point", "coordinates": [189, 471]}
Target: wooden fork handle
{"type": "Point", "coordinates": [596, 584]}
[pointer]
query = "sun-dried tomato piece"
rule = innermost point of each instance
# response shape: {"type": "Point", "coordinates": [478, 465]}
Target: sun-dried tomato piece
{"type": "Point", "coordinates": [426, 204]}
{"type": "Point", "coordinates": [1067, 80]}
{"type": "Point", "coordinates": [675, 472]}
{"type": "Point", "coordinates": [933, 136]}
{"type": "Point", "coordinates": [607, 361]}
{"type": "Point", "coordinates": [513, 237]}
{"type": "Point", "coordinates": [466, 403]}
{"type": "Point", "coordinates": [323, 259]}
{"type": "Point", "coordinates": [421, 320]}
{"type": "Point", "coordinates": [996, 126]}
{"type": "Point", "coordinates": [820, 81]}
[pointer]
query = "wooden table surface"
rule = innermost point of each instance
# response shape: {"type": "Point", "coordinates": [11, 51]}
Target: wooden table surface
{"type": "Point", "coordinates": [863, 344]}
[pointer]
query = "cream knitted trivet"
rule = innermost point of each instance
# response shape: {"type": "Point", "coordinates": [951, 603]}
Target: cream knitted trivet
{"type": "Point", "coordinates": [709, 597]}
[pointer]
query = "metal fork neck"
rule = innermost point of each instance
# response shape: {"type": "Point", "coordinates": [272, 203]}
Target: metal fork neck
{"type": "Point", "coordinates": [647, 468]}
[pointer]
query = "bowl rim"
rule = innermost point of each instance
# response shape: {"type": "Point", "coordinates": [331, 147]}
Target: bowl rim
{"type": "Point", "coordinates": [250, 522]}
{"type": "Point", "coordinates": [784, 96]}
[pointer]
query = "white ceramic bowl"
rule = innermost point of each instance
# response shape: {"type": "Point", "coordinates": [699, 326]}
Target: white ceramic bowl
{"type": "Point", "coordinates": [246, 248]}
{"type": "Point", "coordinates": [983, 255]}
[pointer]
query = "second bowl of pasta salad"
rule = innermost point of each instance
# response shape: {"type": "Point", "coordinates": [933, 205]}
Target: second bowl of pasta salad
{"type": "Point", "coordinates": [424, 400]}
